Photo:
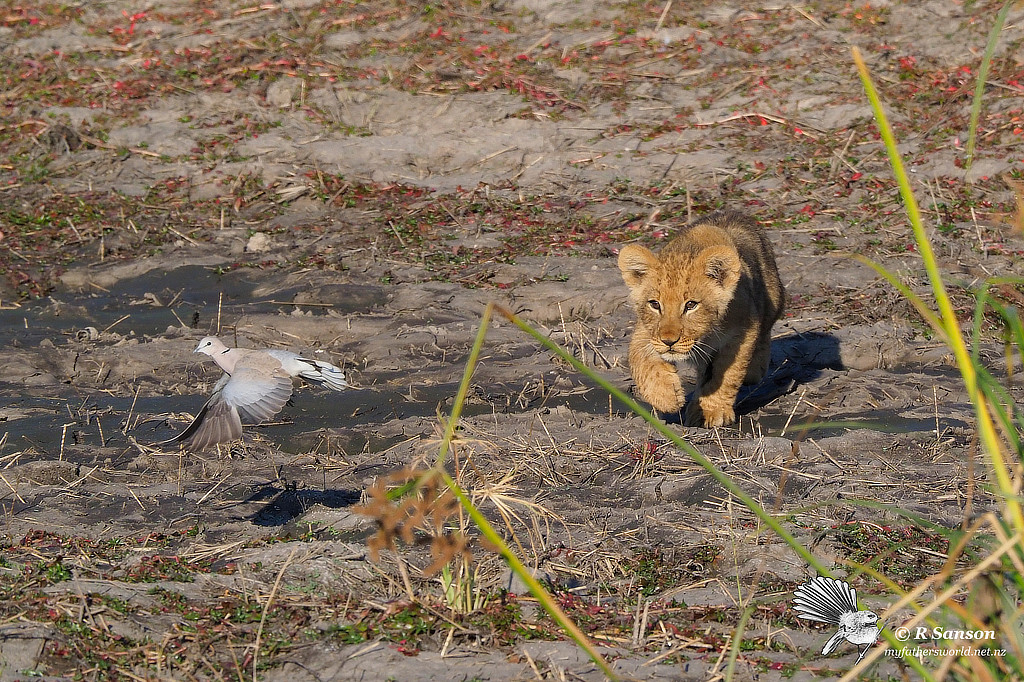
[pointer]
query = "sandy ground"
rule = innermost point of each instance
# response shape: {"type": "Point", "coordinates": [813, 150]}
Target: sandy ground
{"type": "Point", "coordinates": [359, 180]}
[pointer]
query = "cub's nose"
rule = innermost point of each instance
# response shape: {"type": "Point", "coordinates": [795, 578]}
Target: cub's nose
{"type": "Point", "coordinates": [670, 341]}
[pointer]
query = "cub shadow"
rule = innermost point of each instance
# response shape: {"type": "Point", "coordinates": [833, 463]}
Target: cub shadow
{"type": "Point", "coordinates": [796, 359]}
{"type": "Point", "coordinates": [282, 505]}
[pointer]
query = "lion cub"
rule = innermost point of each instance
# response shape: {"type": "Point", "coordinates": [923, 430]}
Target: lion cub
{"type": "Point", "coordinates": [711, 296]}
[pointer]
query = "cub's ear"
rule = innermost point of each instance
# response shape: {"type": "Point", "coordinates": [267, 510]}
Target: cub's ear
{"type": "Point", "coordinates": [635, 262]}
{"type": "Point", "coordinates": [722, 264]}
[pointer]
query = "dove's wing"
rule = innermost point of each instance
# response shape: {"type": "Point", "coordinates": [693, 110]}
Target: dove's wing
{"type": "Point", "coordinates": [315, 371]}
{"type": "Point", "coordinates": [217, 422]}
{"type": "Point", "coordinates": [825, 600]}
{"type": "Point", "coordinates": [257, 392]}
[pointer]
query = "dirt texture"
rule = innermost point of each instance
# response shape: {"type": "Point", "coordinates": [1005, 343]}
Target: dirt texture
{"type": "Point", "coordinates": [359, 180]}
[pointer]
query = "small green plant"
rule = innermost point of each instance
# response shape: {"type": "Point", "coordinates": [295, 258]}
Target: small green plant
{"type": "Point", "coordinates": [459, 587]}
{"type": "Point", "coordinates": [57, 572]}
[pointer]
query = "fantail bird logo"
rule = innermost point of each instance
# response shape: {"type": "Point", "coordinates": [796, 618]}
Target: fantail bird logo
{"type": "Point", "coordinates": [832, 601]}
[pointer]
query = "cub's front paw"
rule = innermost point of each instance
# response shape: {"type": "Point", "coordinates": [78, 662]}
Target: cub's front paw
{"type": "Point", "coordinates": [661, 388]}
{"type": "Point", "coordinates": [709, 413]}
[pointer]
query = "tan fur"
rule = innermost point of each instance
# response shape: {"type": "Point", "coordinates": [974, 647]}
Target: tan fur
{"type": "Point", "coordinates": [711, 296]}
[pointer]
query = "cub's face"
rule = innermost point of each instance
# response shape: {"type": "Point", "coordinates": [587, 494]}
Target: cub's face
{"type": "Point", "coordinates": [682, 299]}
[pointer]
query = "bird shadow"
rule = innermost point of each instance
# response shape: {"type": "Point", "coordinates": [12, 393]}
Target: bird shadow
{"type": "Point", "coordinates": [283, 504]}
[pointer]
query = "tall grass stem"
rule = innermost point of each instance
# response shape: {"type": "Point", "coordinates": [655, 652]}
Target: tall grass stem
{"type": "Point", "coordinates": [979, 87]}
{"type": "Point", "coordinates": [946, 316]}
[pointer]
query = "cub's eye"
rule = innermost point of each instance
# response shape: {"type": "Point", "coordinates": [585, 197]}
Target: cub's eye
{"type": "Point", "coordinates": [690, 305]}
{"type": "Point", "coordinates": [655, 305]}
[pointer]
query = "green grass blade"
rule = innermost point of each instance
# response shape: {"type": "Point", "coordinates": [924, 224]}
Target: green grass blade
{"type": "Point", "coordinates": [737, 638]}
{"type": "Point", "coordinates": [659, 426]}
{"type": "Point", "coordinates": [927, 313]}
{"type": "Point", "coordinates": [946, 313]}
{"type": "Point", "coordinates": [1001, 468]}
{"type": "Point", "coordinates": [543, 597]}
{"type": "Point", "coordinates": [979, 87]}
{"type": "Point", "coordinates": [460, 395]}
{"type": "Point", "coordinates": [982, 300]}
{"type": "Point", "coordinates": [703, 461]}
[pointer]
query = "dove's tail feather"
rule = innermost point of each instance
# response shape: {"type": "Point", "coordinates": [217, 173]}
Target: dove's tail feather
{"type": "Point", "coordinates": [833, 641]}
{"type": "Point", "coordinates": [825, 600]}
{"type": "Point", "coordinates": [325, 374]}
{"type": "Point", "coordinates": [314, 371]}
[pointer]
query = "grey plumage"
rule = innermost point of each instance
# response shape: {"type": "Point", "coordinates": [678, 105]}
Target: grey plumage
{"type": "Point", "coordinates": [255, 387]}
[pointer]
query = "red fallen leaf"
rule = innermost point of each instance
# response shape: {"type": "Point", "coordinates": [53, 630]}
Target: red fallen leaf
{"type": "Point", "coordinates": [856, 176]}
{"type": "Point", "coordinates": [438, 33]}
{"type": "Point", "coordinates": [672, 628]}
{"type": "Point", "coordinates": [133, 18]}
{"type": "Point", "coordinates": [808, 210]}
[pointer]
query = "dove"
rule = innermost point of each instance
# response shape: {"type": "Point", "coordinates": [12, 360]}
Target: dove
{"type": "Point", "coordinates": [255, 386]}
{"type": "Point", "coordinates": [832, 601]}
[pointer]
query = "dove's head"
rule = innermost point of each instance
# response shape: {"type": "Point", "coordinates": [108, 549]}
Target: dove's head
{"type": "Point", "coordinates": [210, 345]}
